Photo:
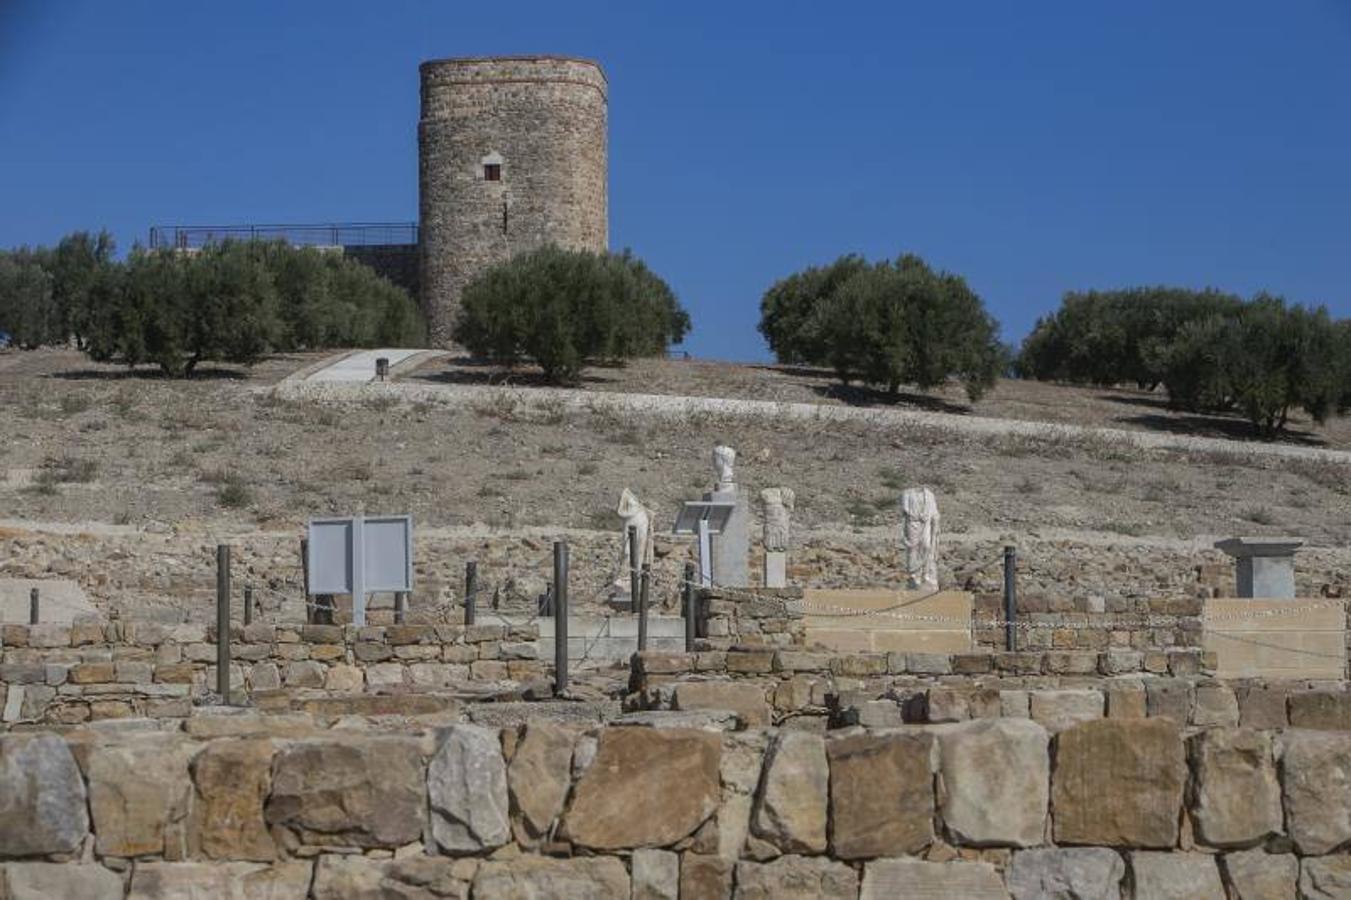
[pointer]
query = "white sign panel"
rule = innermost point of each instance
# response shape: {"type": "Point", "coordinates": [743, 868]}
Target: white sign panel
{"type": "Point", "coordinates": [358, 555]}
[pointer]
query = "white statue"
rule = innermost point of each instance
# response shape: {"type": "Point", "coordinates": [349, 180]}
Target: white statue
{"type": "Point", "coordinates": [635, 515]}
{"type": "Point", "coordinates": [778, 504]}
{"type": "Point", "coordinates": [919, 537]}
{"type": "Point", "coordinates": [724, 458]}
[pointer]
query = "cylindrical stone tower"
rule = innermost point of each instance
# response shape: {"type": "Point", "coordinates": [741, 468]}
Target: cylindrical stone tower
{"type": "Point", "coordinates": [512, 155]}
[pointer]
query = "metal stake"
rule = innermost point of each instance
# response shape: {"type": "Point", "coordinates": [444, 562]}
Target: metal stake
{"type": "Point", "coordinates": [470, 590]}
{"type": "Point", "coordinates": [1010, 597]}
{"type": "Point", "coordinates": [248, 604]}
{"type": "Point", "coordinates": [560, 616]}
{"type": "Point", "coordinates": [642, 607]}
{"type": "Point", "coordinates": [400, 602]}
{"type": "Point", "coordinates": [690, 628]}
{"type": "Point", "coordinates": [634, 575]}
{"type": "Point", "coordinates": [223, 622]}
{"type": "Point", "coordinates": [33, 617]}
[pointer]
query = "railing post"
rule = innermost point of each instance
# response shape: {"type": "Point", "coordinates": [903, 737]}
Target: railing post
{"type": "Point", "coordinates": [33, 616]}
{"type": "Point", "coordinates": [560, 617]}
{"type": "Point", "coordinates": [400, 607]}
{"type": "Point", "coordinates": [642, 606]}
{"type": "Point", "coordinates": [248, 604]}
{"type": "Point", "coordinates": [690, 604]}
{"type": "Point", "coordinates": [1010, 598]}
{"type": "Point", "coordinates": [223, 622]}
{"type": "Point", "coordinates": [305, 574]}
{"type": "Point", "coordinates": [470, 590]}
{"type": "Point", "coordinates": [634, 575]}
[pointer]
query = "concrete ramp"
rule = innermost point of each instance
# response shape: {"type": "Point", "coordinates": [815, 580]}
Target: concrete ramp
{"type": "Point", "coordinates": [61, 601]}
{"type": "Point", "coordinates": [882, 620]}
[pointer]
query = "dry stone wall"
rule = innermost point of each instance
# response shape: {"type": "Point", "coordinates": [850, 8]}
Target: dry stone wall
{"type": "Point", "coordinates": [990, 808]}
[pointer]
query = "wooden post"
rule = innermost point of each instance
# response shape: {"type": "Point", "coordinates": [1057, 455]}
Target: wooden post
{"type": "Point", "coordinates": [33, 616]}
{"type": "Point", "coordinates": [642, 607]}
{"type": "Point", "coordinates": [248, 604]}
{"type": "Point", "coordinates": [690, 603]}
{"type": "Point", "coordinates": [400, 602]}
{"type": "Point", "coordinates": [560, 617]}
{"type": "Point", "coordinates": [470, 591]}
{"type": "Point", "coordinates": [223, 622]}
{"type": "Point", "coordinates": [634, 575]}
{"type": "Point", "coordinates": [1010, 598]}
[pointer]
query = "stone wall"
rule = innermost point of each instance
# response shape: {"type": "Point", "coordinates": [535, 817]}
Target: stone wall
{"type": "Point", "coordinates": [990, 808]}
{"type": "Point", "coordinates": [73, 673]}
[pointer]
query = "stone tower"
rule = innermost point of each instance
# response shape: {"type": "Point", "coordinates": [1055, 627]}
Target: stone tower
{"type": "Point", "coordinates": [512, 155]}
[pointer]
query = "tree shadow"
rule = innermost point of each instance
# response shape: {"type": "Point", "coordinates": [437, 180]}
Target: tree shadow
{"type": "Point", "coordinates": [1220, 427]}
{"type": "Point", "coordinates": [209, 373]}
{"type": "Point", "coordinates": [860, 395]}
{"type": "Point", "coordinates": [465, 370]}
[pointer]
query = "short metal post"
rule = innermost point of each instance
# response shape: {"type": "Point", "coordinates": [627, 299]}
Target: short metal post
{"type": "Point", "coordinates": [690, 603]}
{"type": "Point", "coordinates": [634, 575]}
{"type": "Point", "coordinates": [400, 604]}
{"type": "Point", "coordinates": [248, 604]}
{"type": "Point", "coordinates": [560, 616]}
{"type": "Point", "coordinates": [223, 622]}
{"type": "Point", "coordinates": [470, 591]}
{"type": "Point", "coordinates": [1010, 598]}
{"type": "Point", "coordinates": [305, 573]}
{"type": "Point", "coordinates": [33, 616]}
{"type": "Point", "coordinates": [646, 582]}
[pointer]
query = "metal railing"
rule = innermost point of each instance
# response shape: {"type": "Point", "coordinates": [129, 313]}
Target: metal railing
{"type": "Point", "coordinates": [333, 234]}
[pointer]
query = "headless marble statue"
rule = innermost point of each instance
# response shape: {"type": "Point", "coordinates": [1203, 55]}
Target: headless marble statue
{"type": "Point", "coordinates": [635, 515]}
{"type": "Point", "coordinates": [919, 537]}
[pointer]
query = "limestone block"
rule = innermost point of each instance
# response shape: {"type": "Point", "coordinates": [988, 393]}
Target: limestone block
{"type": "Point", "coordinates": [996, 775]}
{"type": "Point", "coordinates": [913, 879]}
{"type": "Point", "coordinates": [45, 881]}
{"type": "Point", "coordinates": [1236, 797]}
{"type": "Point", "coordinates": [706, 877]}
{"type": "Point", "coordinates": [1058, 710]}
{"type": "Point", "coordinates": [1119, 782]}
{"type": "Point", "coordinates": [1321, 710]}
{"type": "Point", "coordinates": [1258, 875]}
{"type": "Point", "coordinates": [1316, 789]}
{"type": "Point", "coordinates": [344, 678]}
{"type": "Point", "coordinates": [675, 770]}
{"type": "Point", "coordinates": [790, 811]}
{"type": "Point", "coordinates": [362, 878]}
{"type": "Point", "coordinates": [220, 881]}
{"type": "Point", "coordinates": [796, 878]}
{"type": "Point", "coordinates": [1066, 873]}
{"type": "Point", "coordinates": [1126, 702]}
{"type": "Point", "coordinates": [1015, 704]}
{"type": "Point", "coordinates": [579, 878]}
{"type": "Point", "coordinates": [656, 875]}
{"type": "Point", "coordinates": [1326, 878]}
{"type": "Point", "coordinates": [1214, 705]}
{"type": "Point", "coordinates": [881, 794]}
{"type": "Point", "coordinates": [264, 676]}
{"type": "Point", "coordinates": [365, 792]}
{"type": "Point", "coordinates": [1262, 707]}
{"type": "Point", "coordinates": [42, 797]}
{"type": "Point", "coordinates": [386, 675]}
{"type": "Point", "coordinates": [232, 780]}
{"type": "Point", "coordinates": [540, 774]}
{"type": "Point", "coordinates": [1169, 698]}
{"type": "Point", "coordinates": [1175, 876]}
{"type": "Point", "coordinates": [467, 790]}
{"type": "Point", "coordinates": [140, 794]}
{"type": "Point", "coordinates": [305, 673]}
{"type": "Point", "coordinates": [746, 699]}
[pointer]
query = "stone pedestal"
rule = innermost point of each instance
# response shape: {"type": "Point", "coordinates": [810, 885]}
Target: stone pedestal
{"type": "Point", "coordinates": [732, 548]}
{"type": "Point", "coordinates": [776, 569]}
{"type": "Point", "coordinates": [1263, 566]}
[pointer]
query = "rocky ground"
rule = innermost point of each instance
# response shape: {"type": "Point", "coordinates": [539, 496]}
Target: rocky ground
{"type": "Point", "coordinates": [127, 482]}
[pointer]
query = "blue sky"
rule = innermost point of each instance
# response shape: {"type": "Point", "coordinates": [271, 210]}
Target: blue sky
{"type": "Point", "coordinates": [1032, 147]}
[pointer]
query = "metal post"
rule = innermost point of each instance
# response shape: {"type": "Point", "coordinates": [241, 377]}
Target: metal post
{"type": "Point", "coordinates": [560, 616]}
{"type": "Point", "coordinates": [248, 604]}
{"type": "Point", "coordinates": [33, 617]}
{"type": "Point", "coordinates": [690, 603]}
{"type": "Point", "coordinates": [223, 622]}
{"type": "Point", "coordinates": [400, 602]}
{"type": "Point", "coordinates": [705, 555]}
{"type": "Point", "coordinates": [634, 575]}
{"type": "Point", "coordinates": [642, 607]}
{"type": "Point", "coordinates": [470, 591]}
{"type": "Point", "coordinates": [305, 573]}
{"type": "Point", "coordinates": [1010, 597]}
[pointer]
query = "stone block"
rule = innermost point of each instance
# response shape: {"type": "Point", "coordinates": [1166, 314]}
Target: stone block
{"type": "Point", "coordinates": [1321, 710]}
{"type": "Point", "coordinates": [42, 797]}
{"type": "Point", "coordinates": [48, 636]}
{"type": "Point", "coordinates": [1315, 769]}
{"type": "Point", "coordinates": [176, 673]}
{"type": "Point", "coordinates": [1119, 783]}
{"type": "Point", "coordinates": [366, 792]}
{"type": "Point", "coordinates": [1258, 875]}
{"type": "Point", "coordinates": [48, 881]}
{"type": "Point", "coordinates": [881, 794]}
{"type": "Point", "coordinates": [467, 791]}
{"type": "Point", "coordinates": [1126, 702]}
{"type": "Point", "coordinates": [1328, 878]}
{"type": "Point", "coordinates": [264, 676]}
{"type": "Point", "coordinates": [750, 662]}
{"type": "Point", "coordinates": [372, 651]}
{"type": "Point", "coordinates": [801, 661]}
{"type": "Point", "coordinates": [306, 673]}
{"type": "Point", "coordinates": [322, 634]}
{"type": "Point", "coordinates": [656, 875]}
{"type": "Point", "coordinates": [996, 779]}
{"type": "Point", "coordinates": [796, 878]}
{"type": "Point", "coordinates": [1262, 707]}
{"type": "Point", "coordinates": [232, 779]}
{"type": "Point", "coordinates": [1057, 710]}
{"type": "Point", "coordinates": [928, 663]}
{"type": "Point", "coordinates": [1169, 698]}
{"type": "Point", "coordinates": [87, 673]}
{"type": "Point", "coordinates": [675, 770]}
{"type": "Point", "coordinates": [746, 699]}
{"type": "Point", "coordinates": [706, 877]}
{"type": "Point", "coordinates": [1066, 873]}
{"type": "Point", "coordinates": [1175, 876]}
{"type": "Point", "coordinates": [1120, 662]}
{"type": "Point", "coordinates": [1236, 797]}
{"type": "Point", "coordinates": [343, 678]}
{"type": "Point", "coordinates": [220, 880]}
{"type": "Point", "coordinates": [140, 794]}
{"type": "Point", "coordinates": [1214, 705]}
{"type": "Point", "coordinates": [386, 675]}
{"type": "Point", "coordinates": [913, 879]}
{"type": "Point", "coordinates": [1015, 704]}
{"type": "Point", "coordinates": [790, 811]}
{"type": "Point", "coordinates": [579, 878]}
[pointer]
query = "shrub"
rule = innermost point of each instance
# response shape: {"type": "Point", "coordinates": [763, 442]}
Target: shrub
{"type": "Point", "coordinates": [565, 309]}
{"type": "Point", "coordinates": [787, 309]}
{"type": "Point", "coordinates": [27, 309]}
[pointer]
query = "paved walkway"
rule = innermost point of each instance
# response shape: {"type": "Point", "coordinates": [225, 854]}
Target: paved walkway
{"type": "Point", "coordinates": [358, 367]}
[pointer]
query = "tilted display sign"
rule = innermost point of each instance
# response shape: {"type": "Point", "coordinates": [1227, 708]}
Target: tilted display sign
{"type": "Point", "coordinates": [359, 555]}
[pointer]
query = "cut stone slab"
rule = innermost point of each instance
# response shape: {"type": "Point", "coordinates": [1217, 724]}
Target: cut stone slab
{"type": "Point", "coordinates": [790, 812]}
{"type": "Point", "coordinates": [1069, 873]}
{"type": "Point", "coordinates": [46, 881]}
{"type": "Point", "coordinates": [1119, 783]}
{"type": "Point", "coordinates": [42, 797]}
{"type": "Point", "coordinates": [881, 794]}
{"type": "Point", "coordinates": [233, 778]}
{"type": "Point", "coordinates": [675, 770]}
{"type": "Point", "coordinates": [746, 699]}
{"type": "Point", "coordinates": [1058, 710]}
{"type": "Point", "coordinates": [1325, 878]}
{"type": "Point", "coordinates": [996, 776]}
{"type": "Point", "coordinates": [140, 794]}
{"type": "Point", "coordinates": [364, 793]}
{"type": "Point", "coordinates": [1237, 799]}
{"type": "Point", "coordinates": [538, 878]}
{"type": "Point", "coordinates": [540, 774]}
{"type": "Point", "coordinates": [1258, 875]}
{"type": "Point", "coordinates": [1316, 789]}
{"type": "Point", "coordinates": [1176, 876]}
{"type": "Point", "coordinates": [706, 877]}
{"type": "Point", "coordinates": [220, 881]}
{"type": "Point", "coordinates": [656, 875]}
{"type": "Point", "coordinates": [796, 878]}
{"type": "Point", "coordinates": [411, 878]}
{"type": "Point", "coordinates": [913, 879]}
{"type": "Point", "coordinates": [467, 790]}
{"type": "Point", "coordinates": [60, 601]}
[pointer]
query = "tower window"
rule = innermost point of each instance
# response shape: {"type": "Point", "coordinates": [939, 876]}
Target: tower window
{"type": "Point", "coordinates": [492, 171]}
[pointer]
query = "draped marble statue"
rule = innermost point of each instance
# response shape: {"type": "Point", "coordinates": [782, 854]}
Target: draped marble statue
{"type": "Point", "coordinates": [919, 537]}
{"type": "Point", "coordinates": [638, 516]}
{"type": "Point", "coordinates": [778, 503]}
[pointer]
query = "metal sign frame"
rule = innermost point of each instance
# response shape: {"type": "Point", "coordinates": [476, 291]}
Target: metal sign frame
{"type": "Point", "coordinates": [704, 518]}
{"type": "Point", "coordinates": [358, 555]}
